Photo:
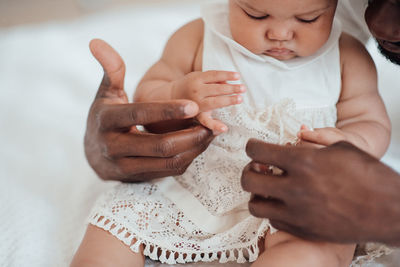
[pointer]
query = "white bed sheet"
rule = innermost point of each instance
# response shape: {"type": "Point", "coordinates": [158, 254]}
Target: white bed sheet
{"type": "Point", "coordinates": [47, 82]}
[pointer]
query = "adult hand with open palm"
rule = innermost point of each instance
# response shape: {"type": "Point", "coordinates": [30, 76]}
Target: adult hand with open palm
{"type": "Point", "coordinates": [116, 149]}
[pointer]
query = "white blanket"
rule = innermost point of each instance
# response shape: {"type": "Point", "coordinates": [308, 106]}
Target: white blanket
{"type": "Point", "coordinates": [48, 79]}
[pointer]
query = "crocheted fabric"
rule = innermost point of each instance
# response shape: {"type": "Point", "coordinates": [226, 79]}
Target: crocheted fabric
{"type": "Point", "coordinates": [143, 214]}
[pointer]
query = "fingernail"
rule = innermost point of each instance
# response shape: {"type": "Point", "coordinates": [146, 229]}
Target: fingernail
{"type": "Point", "coordinates": [216, 132]}
{"type": "Point", "coordinates": [191, 109]}
{"type": "Point", "coordinates": [236, 75]}
{"type": "Point", "coordinates": [260, 168]}
{"type": "Point", "coordinates": [242, 88]}
{"type": "Point", "coordinates": [223, 128]}
{"type": "Point", "coordinates": [256, 167]}
{"type": "Point", "coordinates": [239, 99]}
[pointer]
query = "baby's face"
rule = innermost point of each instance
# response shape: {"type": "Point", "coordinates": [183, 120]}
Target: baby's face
{"type": "Point", "coordinates": [282, 29]}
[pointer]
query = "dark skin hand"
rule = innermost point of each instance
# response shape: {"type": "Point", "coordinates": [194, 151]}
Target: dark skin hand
{"type": "Point", "coordinates": [116, 149]}
{"type": "Point", "coordinates": [336, 194]}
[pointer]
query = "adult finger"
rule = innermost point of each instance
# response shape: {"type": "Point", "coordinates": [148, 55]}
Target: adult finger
{"type": "Point", "coordinates": [113, 66]}
{"type": "Point", "coordinates": [267, 208]}
{"type": "Point", "coordinates": [271, 154]}
{"type": "Point", "coordinates": [266, 184]}
{"type": "Point", "coordinates": [146, 176]}
{"type": "Point", "coordinates": [216, 76]}
{"type": "Point", "coordinates": [126, 115]}
{"type": "Point", "coordinates": [157, 145]}
{"type": "Point", "coordinates": [135, 169]}
{"type": "Point", "coordinates": [148, 164]}
{"type": "Point", "coordinates": [304, 143]}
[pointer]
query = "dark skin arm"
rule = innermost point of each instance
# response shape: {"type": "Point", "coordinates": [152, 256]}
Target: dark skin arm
{"type": "Point", "coordinates": [116, 149]}
{"type": "Point", "coordinates": [336, 194]}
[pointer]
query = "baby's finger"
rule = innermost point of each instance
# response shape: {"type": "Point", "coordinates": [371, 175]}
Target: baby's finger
{"type": "Point", "coordinates": [222, 89]}
{"type": "Point", "coordinates": [214, 125]}
{"type": "Point", "coordinates": [216, 76]}
{"type": "Point", "coordinates": [322, 136]}
{"type": "Point", "coordinates": [305, 127]}
{"type": "Point", "coordinates": [214, 102]}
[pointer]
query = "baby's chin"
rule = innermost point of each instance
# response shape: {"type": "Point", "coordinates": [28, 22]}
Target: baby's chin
{"type": "Point", "coordinates": [286, 58]}
{"type": "Point", "coordinates": [281, 57]}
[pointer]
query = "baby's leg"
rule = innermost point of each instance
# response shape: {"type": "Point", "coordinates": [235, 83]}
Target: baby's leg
{"type": "Point", "coordinates": [283, 249]}
{"type": "Point", "coordinates": [100, 248]}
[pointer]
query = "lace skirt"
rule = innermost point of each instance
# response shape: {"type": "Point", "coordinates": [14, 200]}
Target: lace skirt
{"type": "Point", "coordinates": [139, 214]}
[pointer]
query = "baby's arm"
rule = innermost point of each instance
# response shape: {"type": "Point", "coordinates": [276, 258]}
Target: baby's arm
{"type": "Point", "coordinates": [362, 117]}
{"type": "Point", "coordinates": [174, 77]}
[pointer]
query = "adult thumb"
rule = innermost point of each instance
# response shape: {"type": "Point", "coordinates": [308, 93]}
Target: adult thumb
{"type": "Point", "coordinates": [113, 66]}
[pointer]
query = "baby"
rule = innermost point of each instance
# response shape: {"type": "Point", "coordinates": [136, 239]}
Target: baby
{"type": "Point", "coordinates": [256, 68]}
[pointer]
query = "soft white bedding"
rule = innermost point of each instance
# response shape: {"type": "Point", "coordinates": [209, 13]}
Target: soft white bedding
{"type": "Point", "coordinates": [47, 82]}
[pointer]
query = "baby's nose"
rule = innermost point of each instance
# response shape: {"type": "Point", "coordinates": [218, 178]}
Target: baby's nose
{"type": "Point", "coordinates": [279, 34]}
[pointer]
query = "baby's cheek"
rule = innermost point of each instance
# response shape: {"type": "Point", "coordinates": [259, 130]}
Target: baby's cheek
{"type": "Point", "coordinates": [308, 43]}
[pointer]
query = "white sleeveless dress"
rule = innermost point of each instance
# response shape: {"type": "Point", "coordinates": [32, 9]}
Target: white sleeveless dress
{"type": "Point", "coordinates": [202, 215]}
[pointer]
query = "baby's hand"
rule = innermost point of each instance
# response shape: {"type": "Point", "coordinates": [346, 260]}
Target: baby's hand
{"type": "Point", "coordinates": [208, 121]}
{"type": "Point", "coordinates": [321, 136]}
{"type": "Point", "coordinates": [210, 90]}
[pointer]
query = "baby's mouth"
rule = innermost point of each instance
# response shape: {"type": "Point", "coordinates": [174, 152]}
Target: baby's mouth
{"type": "Point", "coordinates": [278, 52]}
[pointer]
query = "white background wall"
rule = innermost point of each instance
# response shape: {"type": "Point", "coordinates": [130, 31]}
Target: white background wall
{"type": "Point", "coordinates": [16, 12]}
